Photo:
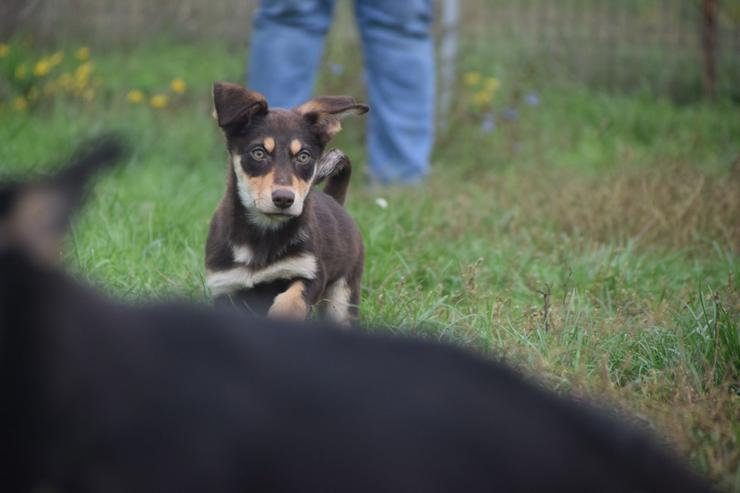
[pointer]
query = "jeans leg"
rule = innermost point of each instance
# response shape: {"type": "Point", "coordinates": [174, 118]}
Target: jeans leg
{"type": "Point", "coordinates": [286, 47]}
{"type": "Point", "coordinates": [399, 61]}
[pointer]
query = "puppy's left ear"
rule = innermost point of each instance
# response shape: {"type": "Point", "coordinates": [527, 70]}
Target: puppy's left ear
{"type": "Point", "coordinates": [324, 113]}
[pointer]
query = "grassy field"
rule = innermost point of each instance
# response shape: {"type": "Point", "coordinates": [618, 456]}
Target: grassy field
{"type": "Point", "coordinates": [590, 239]}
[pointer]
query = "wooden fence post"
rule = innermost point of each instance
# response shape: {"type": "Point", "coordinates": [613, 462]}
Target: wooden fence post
{"type": "Point", "coordinates": [709, 47]}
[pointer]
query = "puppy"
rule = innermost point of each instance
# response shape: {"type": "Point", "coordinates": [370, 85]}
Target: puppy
{"type": "Point", "coordinates": [275, 244]}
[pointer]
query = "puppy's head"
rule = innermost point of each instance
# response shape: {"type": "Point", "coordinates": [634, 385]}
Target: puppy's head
{"type": "Point", "coordinates": [275, 152]}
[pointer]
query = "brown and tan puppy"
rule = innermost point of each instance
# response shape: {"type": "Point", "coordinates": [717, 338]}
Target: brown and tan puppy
{"type": "Point", "coordinates": [276, 245]}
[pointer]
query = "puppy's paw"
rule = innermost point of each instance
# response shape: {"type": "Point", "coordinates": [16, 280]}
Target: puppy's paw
{"type": "Point", "coordinates": [290, 304]}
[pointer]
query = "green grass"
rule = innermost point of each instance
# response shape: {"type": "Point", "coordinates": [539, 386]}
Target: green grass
{"type": "Point", "coordinates": [592, 241]}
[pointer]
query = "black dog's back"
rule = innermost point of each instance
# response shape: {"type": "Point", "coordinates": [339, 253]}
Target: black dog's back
{"type": "Point", "coordinates": [174, 398]}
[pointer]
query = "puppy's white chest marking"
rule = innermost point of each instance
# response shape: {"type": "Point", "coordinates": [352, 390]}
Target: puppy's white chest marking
{"type": "Point", "coordinates": [243, 254]}
{"type": "Point", "coordinates": [243, 277]}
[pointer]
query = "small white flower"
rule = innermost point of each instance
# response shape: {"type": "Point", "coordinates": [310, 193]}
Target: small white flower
{"type": "Point", "coordinates": [382, 203]}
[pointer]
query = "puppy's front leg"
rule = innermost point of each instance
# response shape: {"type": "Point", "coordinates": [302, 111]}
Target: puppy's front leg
{"type": "Point", "coordinates": [291, 303]}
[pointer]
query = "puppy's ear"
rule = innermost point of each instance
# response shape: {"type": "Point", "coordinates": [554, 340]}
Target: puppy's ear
{"type": "Point", "coordinates": [324, 114]}
{"type": "Point", "coordinates": [34, 216]}
{"type": "Point", "coordinates": [235, 106]}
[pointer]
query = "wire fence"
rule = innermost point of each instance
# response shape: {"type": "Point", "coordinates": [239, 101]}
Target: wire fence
{"type": "Point", "coordinates": [672, 47]}
{"type": "Point", "coordinates": [619, 44]}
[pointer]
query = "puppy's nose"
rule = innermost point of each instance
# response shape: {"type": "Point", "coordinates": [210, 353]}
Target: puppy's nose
{"type": "Point", "coordinates": [283, 198]}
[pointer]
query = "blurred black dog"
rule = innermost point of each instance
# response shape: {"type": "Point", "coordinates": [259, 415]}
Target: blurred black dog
{"type": "Point", "coordinates": [101, 397]}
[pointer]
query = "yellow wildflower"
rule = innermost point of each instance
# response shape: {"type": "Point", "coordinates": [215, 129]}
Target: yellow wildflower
{"type": "Point", "coordinates": [158, 101]}
{"type": "Point", "coordinates": [42, 68]}
{"type": "Point", "coordinates": [32, 94]}
{"type": "Point", "coordinates": [472, 78]}
{"type": "Point", "coordinates": [82, 76]}
{"type": "Point", "coordinates": [83, 71]}
{"type": "Point", "coordinates": [482, 98]}
{"type": "Point", "coordinates": [4, 50]}
{"type": "Point", "coordinates": [135, 96]}
{"type": "Point", "coordinates": [178, 85]}
{"type": "Point", "coordinates": [82, 53]}
{"type": "Point", "coordinates": [56, 58]}
{"type": "Point", "coordinates": [20, 72]}
{"type": "Point", "coordinates": [19, 103]}
{"type": "Point", "coordinates": [492, 84]}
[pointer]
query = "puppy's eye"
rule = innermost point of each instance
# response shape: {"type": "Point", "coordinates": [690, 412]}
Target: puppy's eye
{"type": "Point", "coordinates": [258, 154]}
{"type": "Point", "coordinates": [303, 157]}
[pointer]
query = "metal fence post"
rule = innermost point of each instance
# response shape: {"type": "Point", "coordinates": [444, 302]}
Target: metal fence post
{"type": "Point", "coordinates": [448, 56]}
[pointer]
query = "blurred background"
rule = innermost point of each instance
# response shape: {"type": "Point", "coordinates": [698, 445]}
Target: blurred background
{"type": "Point", "coordinates": [682, 49]}
{"type": "Point", "coordinates": [582, 217]}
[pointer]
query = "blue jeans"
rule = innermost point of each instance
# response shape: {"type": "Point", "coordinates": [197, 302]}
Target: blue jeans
{"type": "Point", "coordinates": [285, 53]}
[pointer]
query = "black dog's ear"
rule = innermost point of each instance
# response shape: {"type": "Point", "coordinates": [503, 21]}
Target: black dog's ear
{"type": "Point", "coordinates": [234, 106]}
{"type": "Point", "coordinates": [325, 113]}
{"type": "Point", "coordinates": [34, 216]}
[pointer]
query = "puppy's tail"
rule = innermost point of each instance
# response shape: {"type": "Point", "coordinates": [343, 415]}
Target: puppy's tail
{"type": "Point", "coordinates": [336, 168]}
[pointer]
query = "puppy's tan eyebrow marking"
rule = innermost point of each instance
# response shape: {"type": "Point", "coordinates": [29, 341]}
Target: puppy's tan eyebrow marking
{"type": "Point", "coordinates": [269, 143]}
{"type": "Point", "coordinates": [295, 146]}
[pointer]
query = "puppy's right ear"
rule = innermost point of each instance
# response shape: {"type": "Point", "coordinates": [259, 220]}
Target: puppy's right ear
{"type": "Point", "coordinates": [235, 106]}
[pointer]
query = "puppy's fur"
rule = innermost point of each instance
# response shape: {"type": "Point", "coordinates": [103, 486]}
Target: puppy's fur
{"type": "Point", "coordinates": [102, 397]}
{"type": "Point", "coordinates": [275, 243]}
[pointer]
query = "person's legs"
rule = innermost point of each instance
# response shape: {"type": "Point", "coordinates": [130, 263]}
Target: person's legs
{"type": "Point", "coordinates": [399, 60]}
{"type": "Point", "coordinates": [286, 47]}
